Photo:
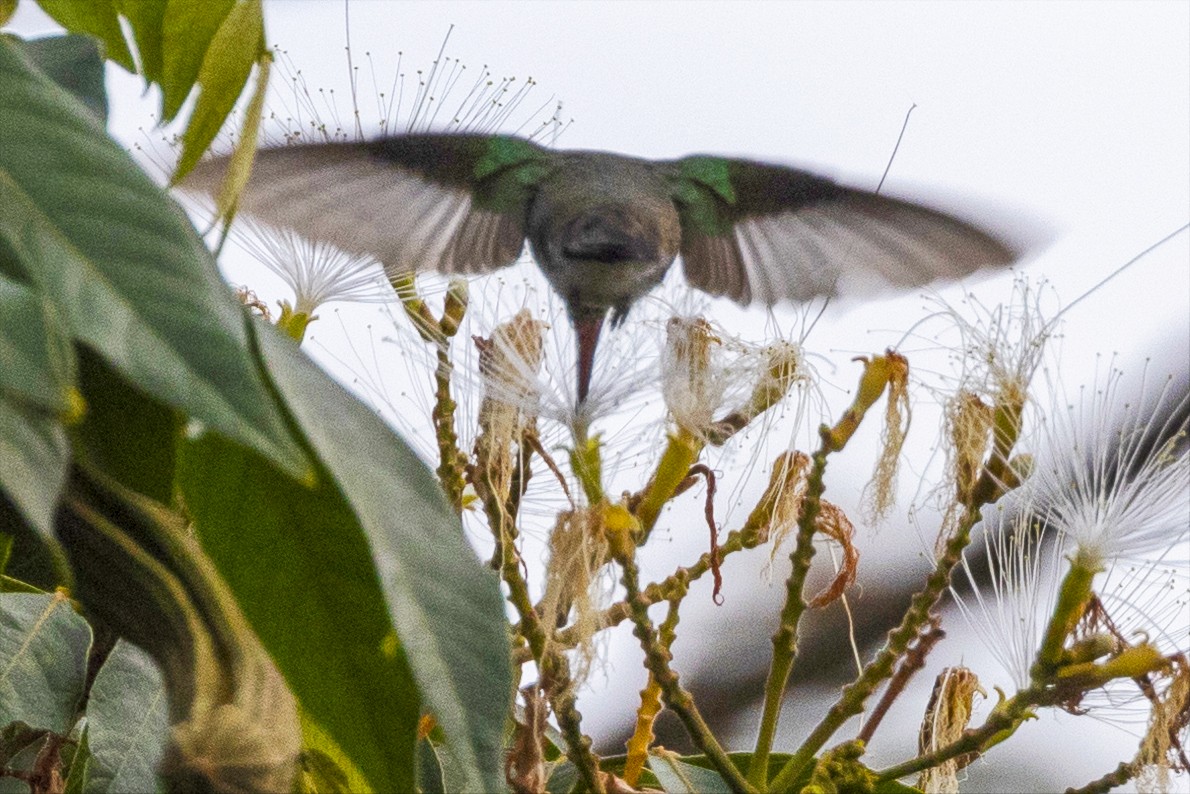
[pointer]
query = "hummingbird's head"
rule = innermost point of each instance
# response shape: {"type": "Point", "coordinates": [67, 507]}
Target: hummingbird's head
{"type": "Point", "coordinates": [604, 229]}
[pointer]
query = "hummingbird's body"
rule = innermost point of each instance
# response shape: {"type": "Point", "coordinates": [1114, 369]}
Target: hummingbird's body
{"type": "Point", "coordinates": [604, 228]}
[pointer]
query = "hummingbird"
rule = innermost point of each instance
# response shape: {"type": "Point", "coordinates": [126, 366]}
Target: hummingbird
{"type": "Point", "coordinates": [604, 228]}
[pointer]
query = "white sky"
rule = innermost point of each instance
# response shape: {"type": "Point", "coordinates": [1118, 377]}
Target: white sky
{"type": "Point", "coordinates": [1072, 116]}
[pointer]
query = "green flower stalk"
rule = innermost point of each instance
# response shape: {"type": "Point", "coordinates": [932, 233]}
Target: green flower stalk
{"type": "Point", "coordinates": [1101, 495]}
{"type": "Point", "coordinates": [1074, 594]}
{"type": "Point", "coordinates": [438, 331]}
{"type": "Point", "coordinates": [692, 388]}
{"type": "Point", "coordinates": [696, 383]}
{"type": "Point", "coordinates": [873, 381]}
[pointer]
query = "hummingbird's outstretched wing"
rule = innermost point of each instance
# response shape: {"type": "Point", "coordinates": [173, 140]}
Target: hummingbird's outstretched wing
{"type": "Point", "coordinates": [453, 203]}
{"type": "Point", "coordinates": [765, 233]}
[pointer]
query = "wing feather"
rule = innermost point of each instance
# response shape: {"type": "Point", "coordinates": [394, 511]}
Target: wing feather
{"type": "Point", "coordinates": [757, 232]}
{"type": "Point", "coordinates": [449, 203]}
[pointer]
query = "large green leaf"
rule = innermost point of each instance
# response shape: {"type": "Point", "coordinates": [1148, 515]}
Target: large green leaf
{"type": "Point", "coordinates": [429, 769]}
{"type": "Point", "coordinates": [43, 660]}
{"type": "Point", "coordinates": [445, 604]}
{"type": "Point", "coordinates": [35, 560]}
{"type": "Point", "coordinates": [36, 360]}
{"type": "Point", "coordinates": [126, 433]}
{"type": "Point", "coordinates": [236, 47]}
{"type": "Point", "coordinates": [678, 777]}
{"type": "Point", "coordinates": [127, 723]}
{"type": "Point", "coordinates": [75, 63]}
{"type": "Point", "coordinates": [96, 17]}
{"type": "Point", "coordinates": [187, 30]}
{"type": "Point", "coordinates": [122, 264]}
{"type": "Point", "coordinates": [146, 18]}
{"type": "Point", "coordinates": [34, 454]}
{"type": "Point", "coordinates": [301, 569]}
{"type": "Point", "coordinates": [76, 776]}
{"type": "Point", "coordinates": [37, 365]}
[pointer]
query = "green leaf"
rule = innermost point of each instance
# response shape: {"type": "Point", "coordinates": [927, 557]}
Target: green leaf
{"type": "Point", "coordinates": [7, 9]}
{"type": "Point", "coordinates": [76, 777]}
{"type": "Point", "coordinates": [213, 43]}
{"type": "Point", "coordinates": [743, 760]}
{"type": "Point", "coordinates": [445, 604]}
{"type": "Point", "coordinates": [127, 434]}
{"type": "Point", "coordinates": [127, 722]}
{"type": "Point", "coordinates": [324, 767]}
{"type": "Point", "coordinates": [562, 777]}
{"type": "Point", "coordinates": [301, 570]}
{"type": "Point", "coordinates": [675, 775]}
{"type": "Point", "coordinates": [430, 777]}
{"type": "Point", "coordinates": [20, 748]}
{"type": "Point", "coordinates": [34, 454]}
{"type": "Point", "coordinates": [36, 563]}
{"type": "Point", "coordinates": [450, 770]}
{"type": "Point", "coordinates": [36, 360]}
{"type": "Point", "coordinates": [75, 63]}
{"type": "Point", "coordinates": [123, 266]}
{"type": "Point", "coordinates": [187, 30]}
{"type": "Point", "coordinates": [43, 660]}
{"type": "Point", "coordinates": [237, 45]}
{"type": "Point", "coordinates": [95, 17]}
{"type": "Point", "coordinates": [146, 18]}
{"type": "Point", "coordinates": [15, 739]}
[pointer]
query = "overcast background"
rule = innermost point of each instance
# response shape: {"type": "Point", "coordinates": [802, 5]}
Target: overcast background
{"type": "Point", "coordinates": [1061, 121]}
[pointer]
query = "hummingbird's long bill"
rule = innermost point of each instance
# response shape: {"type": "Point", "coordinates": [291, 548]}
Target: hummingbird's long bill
{"type": "Point", "coordinates": [604, 228]}
{"type": "Point", "coordinates": [587, 333]}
